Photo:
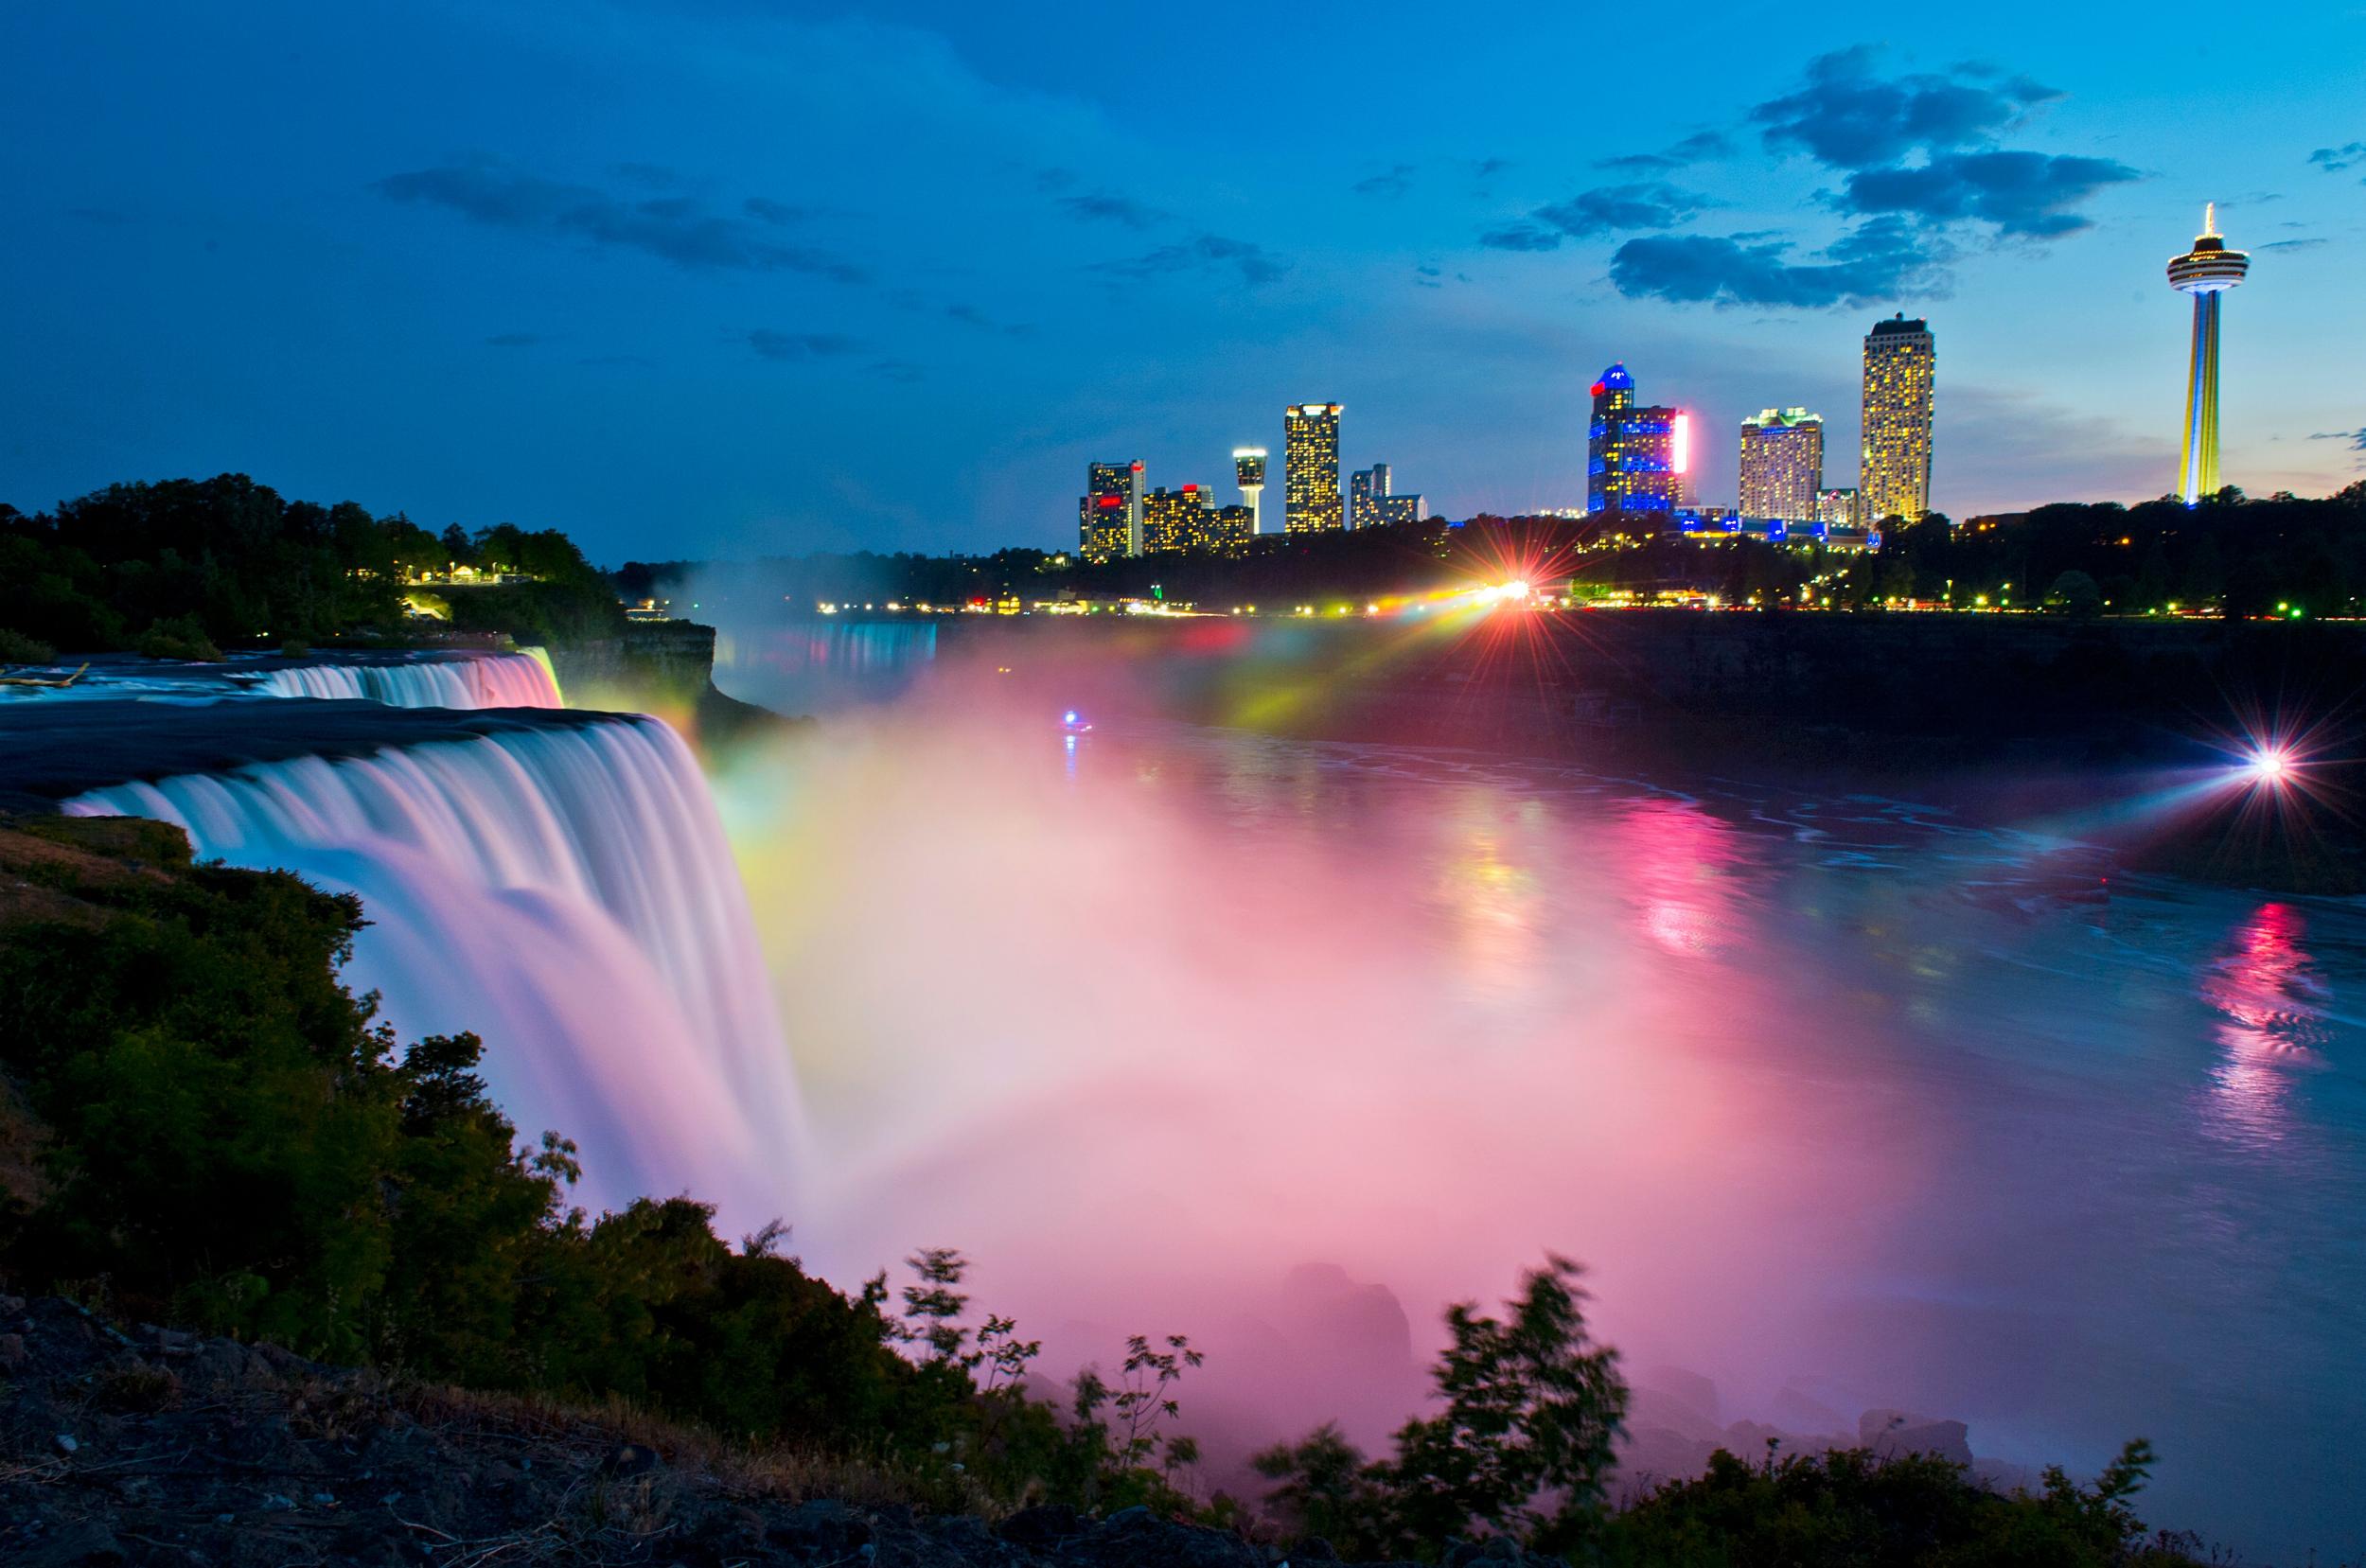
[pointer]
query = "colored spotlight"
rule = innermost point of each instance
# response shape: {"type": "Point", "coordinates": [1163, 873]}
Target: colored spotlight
{"type": "Point", "coordinates": [2267, 766]}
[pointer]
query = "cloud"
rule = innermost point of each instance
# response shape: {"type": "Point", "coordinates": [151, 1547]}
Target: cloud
{"type": "Point", "coordinates": [1700, 147]}
{"type": "Point", "coordinates": [1606, 209]}
{"type": "Point", "coordinates": [2308, 245]}
{"type": "Point", "coordinates": [895, 370]}
{"type": "Point", "coordinates": [1105, 208]}
{"type": "Point", "coordinates": [2021, 193]}
{"type": "Point", "coordinates": [2354, 440]}
{"type": "Point", "coordinates": [1486, 168]}
{"type": "Point", "coordinates": [778, 214]}
{"type": "Point", "coordinates": [1879, 260]}
{"type": "Point", "coordinates": [2336, 160]}
{"type": "Point", "coordinates": [1849, 117]}
{"type": "Point", "coordinates": [1521, 236]}
{"type": "Point", "coordinates": [969, 315]}
{"type": "Point", "coordinates": [674, 228]}
{"type": "Point", "coordinates": [1394, 182]}
{"type": "Point", "coordinates": [513, 340]}
{"type": "Point", "coordinates": [771, 344]}
{"type": "Point", "coordinates": [1255, 263]}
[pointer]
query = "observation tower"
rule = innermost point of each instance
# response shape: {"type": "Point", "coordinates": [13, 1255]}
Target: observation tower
{"type": "Point", "coordinates": [1248, 464]}
{"type": "Point", "coordinates": [2205, 272]}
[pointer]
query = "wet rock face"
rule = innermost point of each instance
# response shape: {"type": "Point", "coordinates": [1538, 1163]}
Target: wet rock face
{"type": "Point", "coordinates": [161, 1447]}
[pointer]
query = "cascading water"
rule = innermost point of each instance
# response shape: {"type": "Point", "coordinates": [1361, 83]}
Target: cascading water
{"type": "Point", "coordinates": [491, 681]}
{"type": "Point", "coordinates": [566, 893]}
{"type": "Point", "coordinates": [824, 664]}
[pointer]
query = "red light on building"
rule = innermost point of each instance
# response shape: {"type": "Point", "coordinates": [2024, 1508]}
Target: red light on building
{"type": "Point", "coordinates": [1137, 464]}
{"type": "Point", "coordinates": [1105, 503]}
{"type": "Point", "coordinates": [1597, 389]}
{"type": "Point", "coordinates": [1190, 489]}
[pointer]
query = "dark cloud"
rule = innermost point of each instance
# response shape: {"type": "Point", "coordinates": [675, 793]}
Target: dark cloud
{"type": "Point", "coordinates": [2334, 160]}
{"type": "Point", "coordinates": [2021, 193]}
{"type": "Point", "coordinates": [1255, 263]}
{"type": "Point", "coordinates": [969, 315]}
{"type": "Point", "coordinates": [2354, 440]}
{"type": "Point", "coordinates": [897, 370]}
{"type": "Point", "coordinates": [1849, 117]}
{"type": "Point", "coordinates": [676, 229]}
{"type": "Point", "coordinates": [1486, 168]}
{"type": "Point", "coordinates": [1608, 208]}
{"type": "Point", "coordinates": [778, 214]}
{"type": "Point", "coordinates": [1877, 261]}
{"type": "Point", "coordinates": [2308, 245]}
{"type": "Point", "coordinates": [1426, 276]}
{"type": "Point", "coordinates": [513, 340]}
{"type": "Point", "coordinates": [771, 344]}
{"type": "Point", "coordinates": [1051, 180]}
{"type": "Point", "coordinates": [1521, 236]}
{"type": "Point", "coordinates": [1394, 182]}
{"type": "Point", "coordinates": [1105, 208]}
{"type": "Point", "coordinates": [1700, 147]}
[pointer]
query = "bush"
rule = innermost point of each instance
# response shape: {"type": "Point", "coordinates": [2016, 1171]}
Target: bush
{"type": "Point", "coordinates": [183, 637]}
{"type": "Point", "coordinates": [17, 648]}
{"type": "Point", "coordinates": [1849, 1507]}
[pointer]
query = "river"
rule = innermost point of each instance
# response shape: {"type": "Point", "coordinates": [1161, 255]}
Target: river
{"type": "Point", "coordinates": [1843, 1101]}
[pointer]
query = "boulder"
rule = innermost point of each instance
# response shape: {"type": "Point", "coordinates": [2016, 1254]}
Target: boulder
{"type": "Point", "coordinates": [1891, 1434]}
{"type": "Point", "coordinates": [1689, 1387]}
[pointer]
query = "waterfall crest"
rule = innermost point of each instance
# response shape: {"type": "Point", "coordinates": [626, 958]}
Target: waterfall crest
{"type": "Point", "coordinates": [488, 680]}
{"type": "Point", "coordinates": [568, 895]}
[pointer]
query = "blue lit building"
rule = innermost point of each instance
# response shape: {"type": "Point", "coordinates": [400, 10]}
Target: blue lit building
{"type": "Point", "coordinates": [1636, 456]}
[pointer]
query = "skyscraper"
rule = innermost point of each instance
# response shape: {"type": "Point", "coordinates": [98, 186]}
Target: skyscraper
{"type": "Point", "coordinates": [1635, 457]}
{"type": "Point", "coordinates": [2205, 272]}
{"type": "Point", "coordinates": [1187, 518]}
{"type": "Point", "coordinates": [1109, 516]}
{"type": "Point", "coordinates": [1248, 463]}
{"type": "Point", "coordinates": [1782, 464]}
{"type": "Point", "coordinates": [1837, 508]}
{"type": "Point", "coordinates": [1310, 469]}
{"type": "Point", "coordinates": [1372, 501]}
{"type": "Point", "coordinates": [1893, 474]}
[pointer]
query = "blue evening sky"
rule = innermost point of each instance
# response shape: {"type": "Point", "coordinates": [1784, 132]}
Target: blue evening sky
{"type": "Point", "coordinates": [741, 276]}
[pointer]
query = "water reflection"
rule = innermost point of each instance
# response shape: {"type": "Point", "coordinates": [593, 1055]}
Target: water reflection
{"type": "Point", "coordinates": [2270, 996]}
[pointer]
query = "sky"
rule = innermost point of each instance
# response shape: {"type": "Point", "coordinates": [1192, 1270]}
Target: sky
{"type": "Point", "coordinates": [725, 279]}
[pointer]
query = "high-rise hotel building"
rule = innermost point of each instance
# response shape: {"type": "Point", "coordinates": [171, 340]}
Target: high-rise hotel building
{"type": "Point", "coordinates": [1109, 516]}
{"type": "Point", "coordinates": [1310, 469]}
{"type": "Point", "coordinates": [1635, 457]}
{"type": "Point", "coordinates": [1188, 519]}
{"type": "Point", "coordinates": [1372, 501]}
{"type": "Point", "coordinates": [1782, 464]}
{"type": "Point", "coordinates": [1894, 476]}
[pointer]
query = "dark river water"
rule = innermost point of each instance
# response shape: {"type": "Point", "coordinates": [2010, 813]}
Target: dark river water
{"type": "Point", "coordinates": [1844, 1103]}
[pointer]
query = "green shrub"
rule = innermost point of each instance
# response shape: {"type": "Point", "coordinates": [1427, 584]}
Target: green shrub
{"type": "Point", "coordinates": [17, 648]}
{"type": "Point", "coordinates": [182, 637]}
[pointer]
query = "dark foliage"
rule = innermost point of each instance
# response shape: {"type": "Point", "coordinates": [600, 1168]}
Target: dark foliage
{"type": "Point", "coordinates": [182, 567]}
{"type": "Point", "coordinates": [203, 1126]}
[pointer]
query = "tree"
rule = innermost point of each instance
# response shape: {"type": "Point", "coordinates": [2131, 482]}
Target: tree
{"type": "Point", "coordinates": [2074, 593]}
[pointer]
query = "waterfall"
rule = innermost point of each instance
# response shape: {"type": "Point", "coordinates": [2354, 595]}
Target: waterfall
{"type": "Point", "coordinates": [823, 664]}
{"type": "Point", "coordinates": [487, 680]}
{"type": "Point", "coordinates": [568, 894]}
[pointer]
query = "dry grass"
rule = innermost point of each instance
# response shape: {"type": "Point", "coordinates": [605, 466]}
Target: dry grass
{"type": "Point", "coordinates": [597, 1431]}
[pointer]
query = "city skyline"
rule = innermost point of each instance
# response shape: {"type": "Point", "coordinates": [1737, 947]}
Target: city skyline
{"type": "Point", "coordinates": [721, 304]}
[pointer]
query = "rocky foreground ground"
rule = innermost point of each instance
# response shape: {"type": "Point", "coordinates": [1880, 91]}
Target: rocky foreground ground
{"type": "Point", "coordinates": [159, 1447]}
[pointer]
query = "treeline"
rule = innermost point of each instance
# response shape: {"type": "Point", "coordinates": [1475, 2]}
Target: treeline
{"type": "Point", "coordinates": [184, 568]}
{"type": "Point", "coordinates": [2242, 557]}
{"type": "Point", "coordinates": [200, 1125]}
{"type": "Point", "coordinates": [2239, 555]}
